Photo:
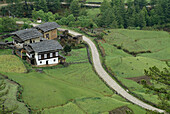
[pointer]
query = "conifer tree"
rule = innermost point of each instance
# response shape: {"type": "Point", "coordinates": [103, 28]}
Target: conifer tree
{"type": "Point", "coordinates": [75, 8]}
{"type": "Point", "coordinates": [42, 5]}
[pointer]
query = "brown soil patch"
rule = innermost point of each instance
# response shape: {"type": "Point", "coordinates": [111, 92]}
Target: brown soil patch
{"type": "Point", "coordinates": [121, 110]}
{"type": "Point", "coordinates": [138, 79]}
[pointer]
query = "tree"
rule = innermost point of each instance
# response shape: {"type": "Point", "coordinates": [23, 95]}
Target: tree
{"type": "Point", "coordinates": [105, 4]}
{"type": "Point", "coordinates": [75, 8]}
{"type": "Point", "coordinates": [141, 19]}
{"type": "Point", "coordinates": [8, 24]}
{"type": "Point", "coordinates": [83, 11]}
{"type": "Point", "coordinates": [42, 5]}
{"type": "Point", "coordinates": [70, 18]}
{"type": "Point", "coordinates": [84, 21]}
{"type": "Point", "coordinates": [38, 14]}
{"type": "Point", "coordinates": [163, 79]}
{"type": "Point", "coordinates": [53, 5]}
{"type": "Point", "coordinates": [49, 17]}
{"type": "Point", "coordinates": [63, 21]}
{"type": "Point", "coordinates": [67, 49]}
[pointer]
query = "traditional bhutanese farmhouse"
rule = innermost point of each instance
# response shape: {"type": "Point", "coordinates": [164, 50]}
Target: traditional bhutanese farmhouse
{"type": "Point", "coordinates": [26, 36]}
{"type": "Point", "coordinates": [49, 30]}
{"type": "Point", "coordinates": [44, 53]}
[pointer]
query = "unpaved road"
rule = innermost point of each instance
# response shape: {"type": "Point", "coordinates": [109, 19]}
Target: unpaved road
{"type": "Point", "coordinates": [109, 81]}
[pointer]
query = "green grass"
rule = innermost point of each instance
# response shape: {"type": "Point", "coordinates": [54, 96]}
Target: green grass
{"type": "Point", "coordinates": [11, 101]}
{"type": "Point", "coordinates": [132, 66]}
{"type": "Point", "coordinates": [102, 104]}
{"type": "Point", "coordinates": [92, 13]}
{"type": "Point", "coordinates": [63, 89]}
{"type": "Point", "coordinates": [137, 40]}
{"type": "Point", "coordinates": [54, 89]}
{"type": "Point", "coordinates": [5, 51]}
{"type": "Point", "coordinates": [125, 65]}
{"type": "Point", "coordinates": [9, 39]}
{"type": "Point", "coordinates": [60, 86]}
{"type": "Point", "coordinates": [69, 108]}
{"type": "Point", "coordinates": [94, 105]}
{"type": "Point", "coordinates": [160, 55]}
{"type": "Point", "coordinates": [77, 55]}
{"type": "Point", "coordinates": [11, 63]}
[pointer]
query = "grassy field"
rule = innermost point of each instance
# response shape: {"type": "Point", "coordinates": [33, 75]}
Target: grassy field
{"type": "Point", "coordinates": [11, 63]}
{"type": "Point", "coordinates": [58, 86]}
{"type": "Point", "coordinates": [72, 89]}
{"type": "Point", "coordinates": [136, 40]}
{"type": "Point", "coordinates": [125, 65]}
{"type": "Point", "coordinates": [11, 100]}
{"type": "Point", "coordinates": [77, 55]}
{"type": "Point", "coordinates": [94, 105]}
{"type": "Point", "coordinates": [5, 51]}
{"type": "Point", "coordinates": [93, 12]}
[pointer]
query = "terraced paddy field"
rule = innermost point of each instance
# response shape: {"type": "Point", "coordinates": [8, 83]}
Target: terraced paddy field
{"type": "Point", "coordinates": [129, 52]}
{"type": "Point", "coordinates": [74, 89]}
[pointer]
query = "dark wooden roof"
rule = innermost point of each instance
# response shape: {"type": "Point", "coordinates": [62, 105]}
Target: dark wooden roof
{"type": "Point", "coordinates": [27, 34]}
{"type": "Point", "coordinates": [44, 46]}
{"type": "Point", "coordinates": [48, 26]}
{"type": "Point", "coordinates": [3, 43]}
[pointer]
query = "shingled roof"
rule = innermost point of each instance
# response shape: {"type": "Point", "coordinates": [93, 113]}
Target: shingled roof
{"type": "Point", "coordinates": [27, 34]}
{"type": "Point", "coordinates": [48, 26]}
{"type": "Point", "coordinates": [43, 46]}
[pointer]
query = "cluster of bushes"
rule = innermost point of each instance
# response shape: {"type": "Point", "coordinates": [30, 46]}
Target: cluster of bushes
{"type": "Point", "coordinates": [7, 24]}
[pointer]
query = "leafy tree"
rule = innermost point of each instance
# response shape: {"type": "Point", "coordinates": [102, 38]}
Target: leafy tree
{"type": "Point", "coordinates": [67, 49]}
{"type": "Point", "coordinates": [153, 2]}
{"type": "Point", "coordinates": [84, 21]}
{"type": "Point", "coordinates": [56, 16]}
{"type": "Point", "coordinates": [68, 1]}
{"type": "Point", "coordinates": [75, 8]}
{"type": "Point", "coordinates": [53, 5]}
{"type": "Point", "coordinates": [1, 26]}
{"type": "Point", "coordinates": [105, 4]}
{"type": "Point", "coordinates": [38, 14]}
{"type": "Point", "coordinates": [63, 21]}
{"type": "Point", "coordinates": [49, 17]}
{"type": "Point", "coordinates": [70, 18]}
{"type": "Point", "coordinates": [8, 24]}
{"type": "Point", "coordinates": [83, 11]}
{"type": "Point", "coordinates": [41, 5]}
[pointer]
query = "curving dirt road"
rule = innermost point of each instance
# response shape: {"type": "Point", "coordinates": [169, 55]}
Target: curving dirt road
{"type": "Point", "coordinates": [110, 82]}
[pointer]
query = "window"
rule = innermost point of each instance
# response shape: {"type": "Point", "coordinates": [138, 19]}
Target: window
{"type": "Point", "coordinates": [56, 53]}
{"type": "Point", "coordinates": [45, 55]}
{"type": "Point", "coordinates": [47, 36]}
{"type": "Point", "coordinates": [51, 54]}
{"type": "Point", "coordinates": [39, 56]}
{"type": "Point", "coordinates": [40, 62]}
{"type": "Point", "coordinates": [54, 60]}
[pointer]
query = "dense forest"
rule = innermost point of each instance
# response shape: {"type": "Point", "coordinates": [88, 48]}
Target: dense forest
{"type": "Point", "coordinates": [135, 14]}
